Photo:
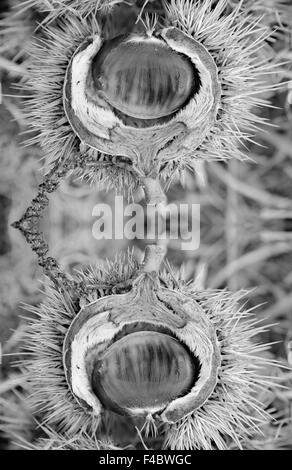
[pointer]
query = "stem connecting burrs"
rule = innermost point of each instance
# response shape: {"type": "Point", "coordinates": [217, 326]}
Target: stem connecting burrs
{"type": "Point", "coordinates": [29, 225]}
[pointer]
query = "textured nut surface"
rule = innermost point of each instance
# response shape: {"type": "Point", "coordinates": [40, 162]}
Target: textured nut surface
{"type": "Point", "coordinates": [144, 369]}
{"type": "Point", "coordinates": [143, 78]}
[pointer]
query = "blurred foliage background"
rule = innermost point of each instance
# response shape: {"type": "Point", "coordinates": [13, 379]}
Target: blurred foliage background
{"type": "Point", "coordinates": [246, 224]}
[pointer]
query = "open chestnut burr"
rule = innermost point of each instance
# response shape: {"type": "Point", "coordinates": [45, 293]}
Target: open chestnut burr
{"type": "Point", "coordinates": [128, 109]}
{"type": "Point", "coordinates": [149, 97]}
{"type": "Point", "coordinates": [147, 352]}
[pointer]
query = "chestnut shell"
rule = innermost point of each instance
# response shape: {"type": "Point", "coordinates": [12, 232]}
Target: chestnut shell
{"type": "Point", "coordinates": [144, 79]}
{"type": "Point", "coordinates": [144, 369]}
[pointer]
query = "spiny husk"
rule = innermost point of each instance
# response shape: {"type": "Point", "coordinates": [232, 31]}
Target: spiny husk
{"type": "Point", "coordinates": [273, 10]}
{"type": "Point", "coordinates": [111, 128]}
{"type": "Point", "coordinates": [273, 437]}
{"type": "Point", "coordinates": [16, 421]}
{"type": "Point", "coordinates": [55, 8]}
{"type": "Point", "coordinates": [236, 42]}
{"type": "Point", "coordinates": [16, 29]}
{"type": "Point", "coordinates": [55, 441]}
{"type": "Point", "coordinates": [232, 411]}
{"type": "Point", "coordinates": [54, 133]}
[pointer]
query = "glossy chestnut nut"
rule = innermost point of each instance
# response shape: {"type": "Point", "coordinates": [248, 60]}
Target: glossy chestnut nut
{"type": "Point", "coordinates": [143, 370]}
{"type": "Point", "coordinates": [143, 78]}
